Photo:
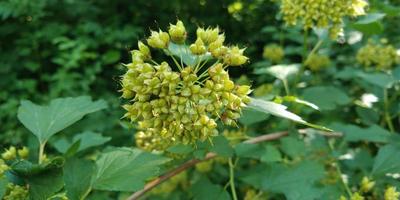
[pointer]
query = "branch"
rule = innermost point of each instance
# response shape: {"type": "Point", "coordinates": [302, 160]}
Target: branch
{"type": "Point", "coordinates": [268, 137]}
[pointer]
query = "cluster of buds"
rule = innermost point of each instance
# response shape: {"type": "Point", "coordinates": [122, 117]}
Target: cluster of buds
{"type": "Point", "coordinates": [321, 13]}
{"type": "Point", "coordinates": [182, 103]}
{"type": "Point", "coordinates": [274, 53]}
{"type": "Point", "coordinates": [12, 153]}
{"type": "Point", "coordinates": [381, 55]}
{"type": "Point", "coordinates": [391, 193]}
{"type": "Point", "coordinates": [3, 167]}
{"type": "Point", "coordinates": [15, 192]}
{"type": "Point", "coordinates": [316, 62]}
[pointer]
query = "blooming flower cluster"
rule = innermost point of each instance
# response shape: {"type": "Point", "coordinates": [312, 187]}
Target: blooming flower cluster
{"type": "Point", "coordinates": [381, 55]}
{"type": "Point", "coordinates": [181, 103]}
{"type": "Point", "coordinates": [321, 13]}
{"type": "Point", "coordinates": [316, 62]}
{"type": "Point", "coordinates": [273, 52]}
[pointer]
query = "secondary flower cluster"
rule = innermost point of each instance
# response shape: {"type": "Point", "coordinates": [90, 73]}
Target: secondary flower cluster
{"type": "Point", "coordinates": [181, 104]}
{"type": "Point", "coordinates": [321, 13]}
{"type": "Point", "coordinates": [273, 52]}
{"type": "Point", "coordinates": [316, 62]}
{"type": "Point", "coordinates": [381, 55]}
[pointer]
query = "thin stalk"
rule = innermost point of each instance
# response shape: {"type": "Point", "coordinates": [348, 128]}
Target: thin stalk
{"type": "Point", "coordinates": [286, 85]}
{"type": "Point", "coordinates": [232, 179]}
{"type": "Point", "coordinates": [154, 62]}
{"type": "Point", "coordinates": [175, 61]}
{"type": "Point", "coordinates": [86, 193]}
{"type": "Point", "coordinates": [386, 111]}
{"type": "Point", "coordinates": [41, 152]}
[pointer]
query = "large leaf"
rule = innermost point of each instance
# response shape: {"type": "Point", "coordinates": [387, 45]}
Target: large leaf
{"type": "Point", "coordinates": [387, 161]}
{"type": "Point", "coordinates": [87, 139]}
{"type": "Point", "coordinates": [370, 24]}
{"type": "Point", "coordinates": [280, 111]}
{"type": "Point", "coordinates": [378, 79]}
{"type": "Point", "coordinates": [203, 189]}
{"type": "Point", "coordinates": [46, 184]}
{"type": "Point", "coordinates": [125, 169]}
{"type": "Point", "coordinates": [281, 72]}
{"type": "Point", "coordinates": [183, 52]}
{"type": "Point", "coordinates": [77, 177]}
{"type": "Point", "coordinates": [45, 121]}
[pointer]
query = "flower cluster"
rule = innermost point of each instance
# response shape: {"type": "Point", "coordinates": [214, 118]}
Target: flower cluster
{"type": "Point", "coordinates": [381, 55]}
{"type": "Point", "coordinates": [16, 192]}
{"type": "Point", "coordinates": [274, 53]}
{"type": "Point", "coordinates": [316, 62]}
{"type": "Point", "coordinates": [321, 13]}
{"type": "Point", "coordinates": [391, 193]}
{"type": "Point", "coordinates": [181, 103]}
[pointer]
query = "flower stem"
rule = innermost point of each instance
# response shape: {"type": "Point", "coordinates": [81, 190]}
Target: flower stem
{"type": "Point", "coordinates": [41, 152]}
{"type": "Point", "coordinates": [232, 179]}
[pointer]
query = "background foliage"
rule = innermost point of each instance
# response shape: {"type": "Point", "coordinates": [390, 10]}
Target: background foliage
{"type": "Point", "coordinates": [52, 49]}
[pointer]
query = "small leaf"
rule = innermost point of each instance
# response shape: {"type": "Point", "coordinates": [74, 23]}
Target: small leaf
{"type": "Point", "coordinates": [378, 79]}
{"type": "Point", "coordinates": [281, 72]}
{"type": "Point", "coordinates": [77, 177]}
{"type": "Point", "coordinates": [180, 149]}
{"type": "Point", "coordinates": [247, 150]}
{"type": "Point", "coordinates": [203, 189]}
{"type": "Point", "coordinates": [370, 24]}
{"type": "Point", "coordinates": [87, 140]}
{"type": "Point", "coordinates": [45, 121]}
{"type": "Point", "coordinates": [354, 133]}
{"type": "Point", "coordinates": [326, 97]}
{"type": "Point", "coordinates": [125, 169]}
{"type": "Point", "coordinates": [221, 146]}
{"type": "Point", "coordinates": [271, 154]}
{"type": "Point", "coordinates": [3, 186]}
{"type": "Point", "coordinates": [250, 116]}
{"type": "Point", "coordinates": [46, 184]}
{"type": "Point", "coordinates": [292, 146]}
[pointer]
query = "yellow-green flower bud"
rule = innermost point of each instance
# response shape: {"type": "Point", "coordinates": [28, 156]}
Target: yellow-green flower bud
{"type": "Point", "coordinates": [274, 53]}
{"type": "Point", "coordinates": [209, 35]}
{"type": "Point", "coordinates": [391, 193]}
{"type": "Point", "coordinates": [235, 57]}
{"type": "Point", "coordinates": [357, 196]}
{"type": "Point", "coordinates": [198, 47]}
{"type": "Point", "coordinates": [9, 154]}
{"type": "Point", "coordinates": [177, 32]}
{"type": "Point", "coordinates": [366, 185]}
{"type": "Point", "coordinates": [316, 62]}
{"type": "Point", "coordinates": [158, 39]}
{"type": "Point", "coordinates": [144, 49]}
{"type": "Point", "coordinates": [23, 152]}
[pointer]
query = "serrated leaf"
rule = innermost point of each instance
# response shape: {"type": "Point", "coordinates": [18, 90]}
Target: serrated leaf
{"type": "Point", "coordinates": [387, 161]}
{"type": "Point", "coordinates": [221, 146]}
{"type": "Point", "coordinates": [271, 154]}
{"type": "Point", "coordinates": [281, 72]}
{"type": "Point", "coordinates": [292, 146]}
{"type": "Point", "coordinates": [45, 121]}
{"type": "Point", "coordinates": [113, 168]}
{"type": "Point", "coordinates": [183, 52]}
{"type": "Point", "coordinates": [247, 150]}
{"type": "Point", "coordinates": [87, 140]}
{"type": "Point", "coordinates": [77, 177]}
{"type": "Point", "coordinates": [279, 111]}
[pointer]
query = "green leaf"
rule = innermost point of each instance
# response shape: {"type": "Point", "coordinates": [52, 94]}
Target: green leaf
{"type": "Point", "coordinates": [292, 146]}
{"type": "Point", "coordinates": [250, 116]}
{"type": "Point", "coordinates": [221, 146]}
{"type": "Point", "coordinates": [295, 182]}
{"type": "Point", "coordinates": [180, 149]}
{"type": "Point", "coordinates": [271, 154]}
{"type": "Point", "coordinates": [87, 140]}
{"type": "Point", "coordinates": [46, 184]}
{"type": "Point", "coordinates": [369, 24]}
{"type": "Point", "coordinates": [326, 97]}
{"type": "Point", "coordinates": [387, 161]}
{"type": "Point", "coordinates": [45, 121]}
{"type": "Point", "coordinates": [247, 150]}
{"type": "Point", "coordinates": [203, 189]}
{"type": "Point", "coordinates": [77, 177]}
{"type": "Point", "coordinates": [300, 101]}
{"type": "Point", "coordinates": [281, 72]}
{"type": "Point", "coordinates": [3, 186]}
{"type": "Point", "coordinates": [115, 166]}
{"type": "Point", "coordinates": [354, 133]}
{"type": "Point", "coordinates": [183, 52]}
{"type": "Point", "coordinates": [26, 168]}
{"type": "Point", "coordinates": [279, 111]}
{"type": "Point", "coordinates": [368, 116]}
{"type": "Point", "coordinates": [378, 79]}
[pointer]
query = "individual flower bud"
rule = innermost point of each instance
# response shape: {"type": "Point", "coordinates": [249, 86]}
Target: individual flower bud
{"type": "Point", "coordinates": [198, 47]}
{"type": "Point", "coordinates": [23, 152]}
{"type": "Point", "coordinates": [9, 154]}
{"type": "Point", "coordinates": [391, 193]}
{"type": "Point", "coordinates": [177, 32]}
{"type": "Point", "coordinates": [220, 52]}
{"type": "Point", "coordinates": [144, 49]}
{"type": "Point", "coordinates": [243, 90]}
{"type": "Point", "coordinates": [217, 43]}
{"type": "Point", "coordinates": [158, 39]}
{"type": "Point", "coordinates": [366, 185]}
{"type": "Point", "coordinates": [235, 57]}
{"type": "Point", "coordinates": [357, 196]}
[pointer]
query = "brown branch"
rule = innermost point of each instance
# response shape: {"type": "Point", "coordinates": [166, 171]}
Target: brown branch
{"type": "Point", "coordinates": [268, 137]}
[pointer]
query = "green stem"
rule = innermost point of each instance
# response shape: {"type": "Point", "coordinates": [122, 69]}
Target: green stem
{"type": "Point", "coordinates": [232, 179]}
{"type": "Point", "coordinates": [175, 61]}
{"type": "Point", "coordinates": [386, 111]}
{"type": "Point", "coordinates": [286, 85]}
{"type": "Point", "coordinates": [339, 171]}
{"type": "Point", "coordinates": [41, 152]}
{"type": "Point", "coordinates": [86, 193]}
